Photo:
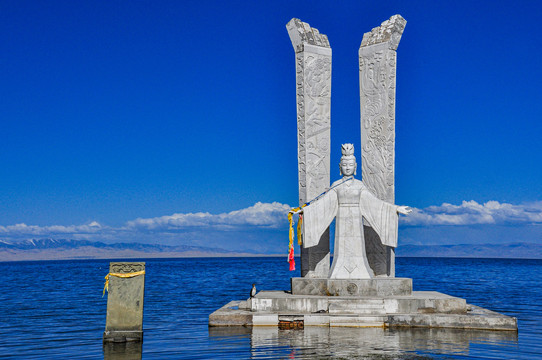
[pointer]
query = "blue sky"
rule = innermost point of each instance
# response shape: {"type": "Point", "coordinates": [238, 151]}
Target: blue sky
{"type": "Point", "coordinates": [122, 120]}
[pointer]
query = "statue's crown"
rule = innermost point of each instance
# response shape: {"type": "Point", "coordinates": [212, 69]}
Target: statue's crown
{"type": "Point", "coordinates": [347, 149]}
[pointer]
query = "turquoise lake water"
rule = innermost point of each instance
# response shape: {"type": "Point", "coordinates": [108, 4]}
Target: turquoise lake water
{"type": "Point", "coordinates": [55, 309]}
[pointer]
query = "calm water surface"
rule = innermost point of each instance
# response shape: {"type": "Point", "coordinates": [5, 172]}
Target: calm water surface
{"type": "Point", "coordinates": [55, 309]}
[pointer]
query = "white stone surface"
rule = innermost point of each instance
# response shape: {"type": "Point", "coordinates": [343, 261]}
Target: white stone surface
{"type": "Point", "coordinates": [357, 306]}
{"type": "Point", "coordinates": [316, 320]}
{"type": "Point", "coordinates": [351, 203]}
{"type": "Point", "coordinates": [390, 32]}
{"type": "Point", "coordinates": [357, 321]}
{"type": "Point", "coordinates": [313, 95]}
{"type": "Point", "coordinates": [265, 319]}
{"type": "Point", "coordinates": [377, 71]}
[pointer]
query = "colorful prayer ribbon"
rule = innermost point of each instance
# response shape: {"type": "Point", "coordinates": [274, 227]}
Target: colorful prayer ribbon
{"type": "Point", "coordinates": [300, 221]}
{"type": "Point", "coordinates": [291, 235]}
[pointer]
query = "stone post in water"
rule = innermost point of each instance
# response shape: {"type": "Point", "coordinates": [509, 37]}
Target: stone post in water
{"type": "Point", "coordinates": [377, 64]}
{"type": "Point", "coordinates": [125, 302]}
{"type": "Point", "coordinates": [313, 94]}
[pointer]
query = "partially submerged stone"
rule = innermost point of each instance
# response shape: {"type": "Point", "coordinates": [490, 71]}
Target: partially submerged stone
{"type": "Point", "coordinates": [125, 302]}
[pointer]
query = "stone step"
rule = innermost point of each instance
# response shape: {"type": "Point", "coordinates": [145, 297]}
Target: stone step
{"type": "Point", "coordinates": [357, 321]}
{"type": "Point", "coordinates": [418, 302]}
{"type": "Point", "coordinates": [357, 306]}
{"type": "Point", "coordinates": [268, 319]}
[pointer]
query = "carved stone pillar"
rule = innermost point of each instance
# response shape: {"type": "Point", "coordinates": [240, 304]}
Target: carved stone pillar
{"type": "Point", "coordinates": [377, 64]}
{"type": "Point", "coordinates": [313, 94]}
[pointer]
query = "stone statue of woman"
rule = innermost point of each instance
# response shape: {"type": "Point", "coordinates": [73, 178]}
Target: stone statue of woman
{"type": "Point", "coordinates": [351, 203]}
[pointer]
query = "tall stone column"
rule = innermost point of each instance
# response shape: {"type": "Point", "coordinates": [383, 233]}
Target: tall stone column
{"type": "Point", "coordinates": [377, 64]}
{"type": "Point", "coordinates": [313, 94]}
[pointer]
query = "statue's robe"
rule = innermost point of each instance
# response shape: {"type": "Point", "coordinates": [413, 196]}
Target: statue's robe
{"type": "Point", "coordinates": [351, 203]}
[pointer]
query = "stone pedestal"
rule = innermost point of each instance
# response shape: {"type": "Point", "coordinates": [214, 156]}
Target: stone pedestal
{"type": "Point", "coordinates": [377, 68]}
{"type": "Point", "coordinates": [352, 287]}
{"type": "Point", "coordinates": [380, 302]}
{"type": "Point", "coordinates": [125, 303]}
{"type": "Point", "coordinates": [313, 95]}
{"type": "Point", "coordinates": [428, 309]}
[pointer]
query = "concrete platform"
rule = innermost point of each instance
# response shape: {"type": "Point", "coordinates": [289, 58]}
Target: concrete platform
{"type": "Point", "coordinates": [420, 309]}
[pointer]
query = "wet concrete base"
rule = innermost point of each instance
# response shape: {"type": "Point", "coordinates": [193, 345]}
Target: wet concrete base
{"type": "Point", "coordinates": [428, 309]}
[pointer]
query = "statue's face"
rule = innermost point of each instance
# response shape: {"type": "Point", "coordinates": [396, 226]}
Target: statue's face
{"type": "Point", "coordinates": [348, 167]}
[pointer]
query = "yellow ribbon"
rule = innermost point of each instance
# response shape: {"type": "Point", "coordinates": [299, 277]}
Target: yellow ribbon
{"type": "Point", "coordinates": [120, 275]}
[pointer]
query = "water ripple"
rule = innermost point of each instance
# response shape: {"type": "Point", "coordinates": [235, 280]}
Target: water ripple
{"type": "Point", "coordinates": [54, 309]}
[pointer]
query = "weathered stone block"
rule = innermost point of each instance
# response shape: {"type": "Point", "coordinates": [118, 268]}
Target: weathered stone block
{"type": "Point", "coordinates": [125, 302]}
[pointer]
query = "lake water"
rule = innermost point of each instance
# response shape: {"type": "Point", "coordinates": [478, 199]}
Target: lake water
{"type": "Point", "coordinates": [55, 309]}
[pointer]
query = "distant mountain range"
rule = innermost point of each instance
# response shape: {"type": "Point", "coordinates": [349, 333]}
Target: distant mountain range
{"type": "Point", "coordinates": [518, 250]}
{"type": "Point", "coordinates": [60, 249]}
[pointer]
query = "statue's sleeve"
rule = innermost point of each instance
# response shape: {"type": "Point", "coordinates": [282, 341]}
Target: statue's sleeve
{"type": "Point", "coordinates": [382, 217]}
{"type": "Point", "coordinates": [317, 216]}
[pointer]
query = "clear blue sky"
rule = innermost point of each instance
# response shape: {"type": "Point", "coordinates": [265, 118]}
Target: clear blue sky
{"type": "Point", "coordinates": [116, 110]}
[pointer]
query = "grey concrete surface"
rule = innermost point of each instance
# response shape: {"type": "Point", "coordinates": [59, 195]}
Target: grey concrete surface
{"type": "Point", "coordinates": [352, 287]}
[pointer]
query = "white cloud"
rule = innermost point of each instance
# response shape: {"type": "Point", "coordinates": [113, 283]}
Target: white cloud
{"type": "Point", "coordinates": [23, 229]}
{"type": "Point", "coordinates": [266, 215]}
{"type": "Point", "coordinates": [253, 221]}
{"type": "Point", "coordinates": [473, 213]}
{"type": "Point", "coordinates": [259, 216]}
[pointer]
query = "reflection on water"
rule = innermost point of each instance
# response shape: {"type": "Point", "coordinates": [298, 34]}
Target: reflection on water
{"type": "Point", "coordinates": [359, 343]}
{"type": "Point", "coordinates": [122, 351]}
{"type": "Point", "coordinates": [340, 343]}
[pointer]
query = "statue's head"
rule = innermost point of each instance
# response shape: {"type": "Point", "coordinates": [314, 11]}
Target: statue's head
{"type": "Point", "coordinates": [348, 163]}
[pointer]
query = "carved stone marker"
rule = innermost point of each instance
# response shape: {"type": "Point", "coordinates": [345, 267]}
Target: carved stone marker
{"type": "Point", "coordinates": [125, 302]}
{"type": "Point", "coordinates": [313, 94]}
{"type": "Point", "coordinates": [377, 64]}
